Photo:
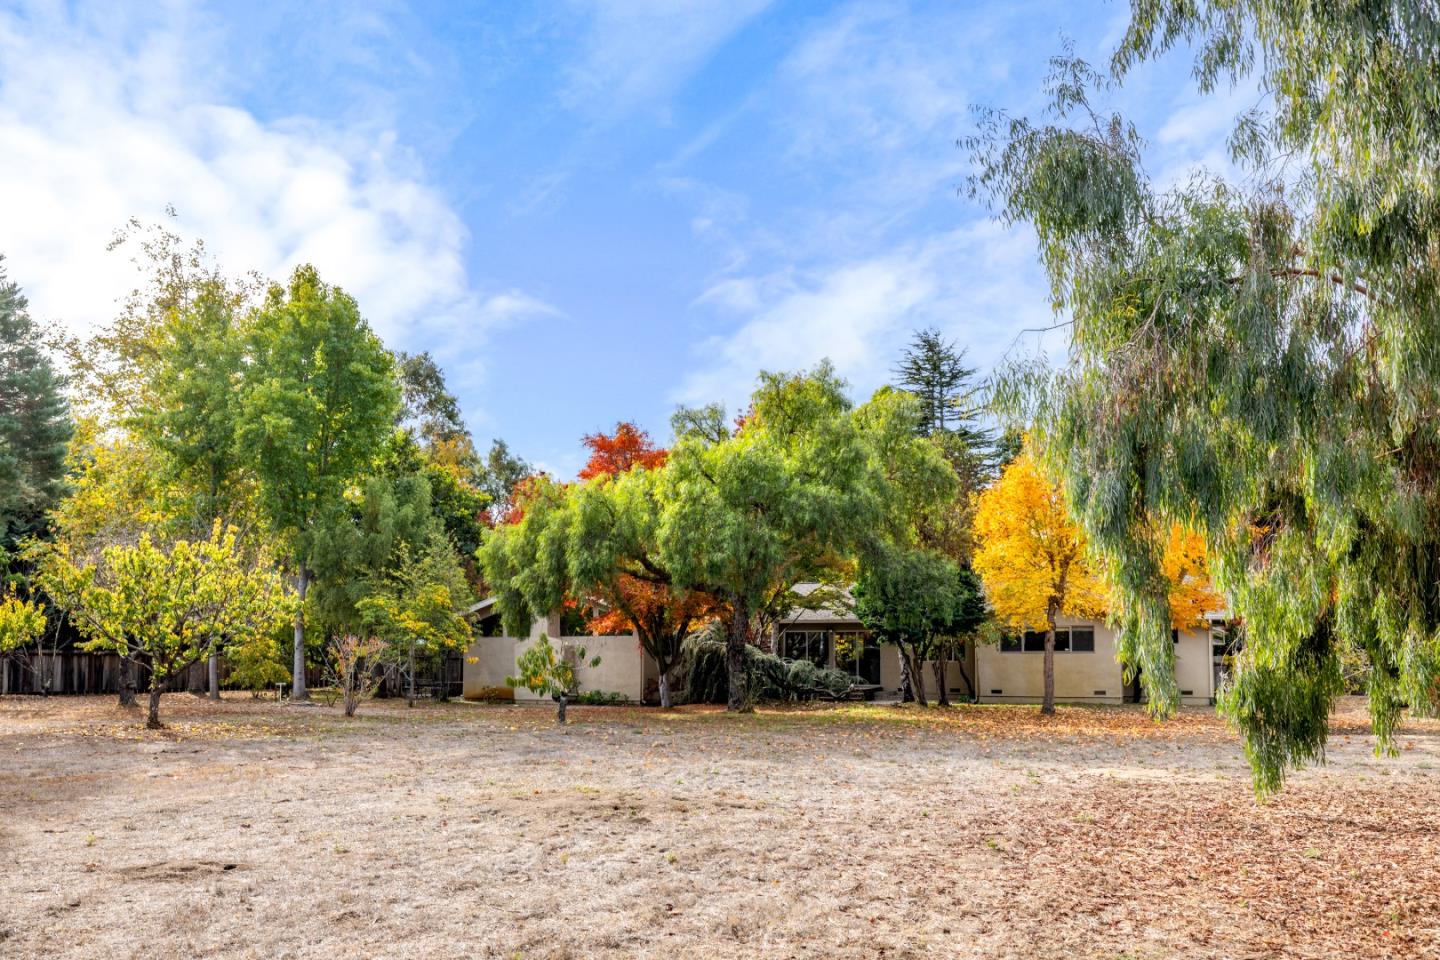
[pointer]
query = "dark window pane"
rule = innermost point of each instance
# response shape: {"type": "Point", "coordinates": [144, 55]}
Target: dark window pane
{"type": "Point", "coordinates": [1062, 641]}
{"type": "Point", "coordinates": [1009, 643]}
{"type": "Point", "coordinates": [1034, 641]}
{"type": "Point", "coordinates": [1082, 639]}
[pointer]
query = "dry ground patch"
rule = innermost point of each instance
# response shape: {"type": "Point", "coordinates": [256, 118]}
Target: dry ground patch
{"type": "Point", "coordinates": [260, 830]}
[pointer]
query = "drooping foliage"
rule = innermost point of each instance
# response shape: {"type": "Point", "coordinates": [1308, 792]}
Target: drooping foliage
{"type": "Point", "coordinates": [1260, 364]}
{"type": "Point", "coordinates": [805, 485]}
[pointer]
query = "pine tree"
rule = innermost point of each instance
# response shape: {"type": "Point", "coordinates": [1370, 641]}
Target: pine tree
{"type": "Point", "coordinates": [35, 425]}
{"type": "Point", "coordinates": [935, 371]}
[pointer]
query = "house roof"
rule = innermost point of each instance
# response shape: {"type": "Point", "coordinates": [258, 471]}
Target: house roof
{"type": "Point", "coordinates": [839, 611]}
{"type": "Point", "coordinates": [482, 608]}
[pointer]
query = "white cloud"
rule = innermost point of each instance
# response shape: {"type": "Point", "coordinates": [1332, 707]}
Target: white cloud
{"type": "Point", "coordinates": [979, 285]}
{"type": "Point", "coordinates": [104, 119]}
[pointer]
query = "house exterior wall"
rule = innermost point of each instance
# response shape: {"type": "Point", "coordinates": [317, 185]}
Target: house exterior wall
{"type": "Point", "coordinates": [624, 667]}
{"type": "Point", "coordinates": [1194, 667]}
{"type": "Point", "coordinates": [1020, 677]}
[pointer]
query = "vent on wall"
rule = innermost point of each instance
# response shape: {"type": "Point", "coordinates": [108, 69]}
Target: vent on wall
{"type": "Point", "coordinates": [1187, 693]}
{"type": "Point", "coordinates": [996, 693]}
{"type": "Point", "coordinates": [1100, 693]}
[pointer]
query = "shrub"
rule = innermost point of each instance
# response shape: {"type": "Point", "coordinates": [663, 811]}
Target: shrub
{"type": "Point", "coordinates": [493, 693]}
{"type": "Point", "coordinates": [600, 698]}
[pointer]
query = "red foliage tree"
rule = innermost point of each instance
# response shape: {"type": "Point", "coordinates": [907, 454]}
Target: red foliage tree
{"type": "Point", "coordinates": [613, 454]}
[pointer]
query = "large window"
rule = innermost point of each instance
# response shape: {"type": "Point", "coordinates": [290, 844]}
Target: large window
{"type": "Point", "coordinates": [812, 645]}
{"type": "Point", "coordinates": [1067, 640]}
{"type": "Point", "coordinates": [857, 654]}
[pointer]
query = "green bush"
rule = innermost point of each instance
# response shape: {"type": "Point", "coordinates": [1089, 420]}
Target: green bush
{"type": "Point", "coordinates": [600, 698]}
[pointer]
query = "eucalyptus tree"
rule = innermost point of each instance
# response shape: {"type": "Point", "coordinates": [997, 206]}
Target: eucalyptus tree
{"type": "Point", "coordinates": [319, 398]}
{"type": "Point", "coordinates": [1259, 363]}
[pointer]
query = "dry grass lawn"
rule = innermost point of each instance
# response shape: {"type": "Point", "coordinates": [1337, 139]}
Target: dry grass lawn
{"type": "Point", "coordinates": [268, 831]}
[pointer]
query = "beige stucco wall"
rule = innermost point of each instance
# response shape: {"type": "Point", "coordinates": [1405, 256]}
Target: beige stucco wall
{"type": "Point", "coordinates": [624, 667]}
{"type": "Point", "coordinates": [1194, 667]}
{"type": "Point", "coordinates": [1020, 677]}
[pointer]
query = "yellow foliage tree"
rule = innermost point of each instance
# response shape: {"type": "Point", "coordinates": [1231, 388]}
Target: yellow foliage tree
{"type": "Point", "coordinates": [1031, 557]}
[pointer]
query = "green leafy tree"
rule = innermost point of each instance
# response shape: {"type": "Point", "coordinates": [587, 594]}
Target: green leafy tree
{"type": "Point", "coordinates": [35, 425]}
{"type": "Point", "coordinates": [500, 478]}
{"type": "Point", "coordinates": [1259, 362]}
{"type": "Point", "coordinates": [805, 484]}
{"type": "Point", "coordinates": [921, 601]}
{"type": "Point", "coordinates": [420, 608]}
{"type": "Point", "coordinates": [170, 605]}
{"type": "Point", "coordinates": [385, 569]}
{"type": "Point", "coordinates": [319, 398]}
{"type": "Point", "coordinates": [21, 621]}
{"type": "Point", "coordinates": [548, 672]}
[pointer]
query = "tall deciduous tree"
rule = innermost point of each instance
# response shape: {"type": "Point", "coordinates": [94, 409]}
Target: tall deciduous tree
{"type": "Point", "coordinates": [1259, 361]}
{"type": "Point", "coordinates": [35, 423]}
{"type": "Point", "coordinates": [615, 453]}
{"type": "Point", "coordinates": [1031, 557]}
{"type": "Point", "coordinates": [320, 396]}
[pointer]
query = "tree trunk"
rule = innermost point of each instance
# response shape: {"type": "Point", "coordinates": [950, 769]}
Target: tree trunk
{"type": "Point", "coordinates": [410, 684]}
{"type": "Point", "coordinates": [1048, 706]}
{"type": "Point", "coordinates": [917, 676]}
{"type": "Point", "coordinates": [665, 703]}
{"type": "Point", "coordinates": [942, 696]}
{"type": "Point", "coordinates": [297, 679]}
{"type": "Point", "coordinates": [152, 719]}
{"type": "Point", "coordinates": [560, 709]}
{"type": "Point", "coordinates": [739, 701]}
{"type": "Point", "coordinates": [969, 687]}
{"type": "Point", "coordinates": [907, 684]}
{"type": "Point", "coordinates": [127, 681]}
{"type": "Point", "coordinates": [214, 675]}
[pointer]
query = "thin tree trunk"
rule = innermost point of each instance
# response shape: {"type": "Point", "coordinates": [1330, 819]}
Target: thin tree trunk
{"type": "Point", "coordinates": [298, 690]}
{"type": "Point", "coordinates": [907, 684]}
{"type": "Point", "coordinates": [969, 687]}
{"type": "Point", "coordinates": [410, 686]}
{"type": "Point", "coordinates": [560, 709]}
{"type": "Point", "coordinates": [127, 681]}
{"type": "Point", "coordinates": [942, 697]}
{"type": "Point", "coordinates": [152, 719]}
{"type": "Point", "coordinates": [665, 686]}
{"type": "Point", "coordinates": [738, 701]}
{"type": "Point", "coordinates": [213, 669]}
{"type": "Point", "coordinates": [917, 676]}
{"type": "Point", "coordinates": [1048, 706]}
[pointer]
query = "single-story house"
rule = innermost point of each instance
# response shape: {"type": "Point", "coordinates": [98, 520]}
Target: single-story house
{"type": "Point", "coordinates": [1011, 671]}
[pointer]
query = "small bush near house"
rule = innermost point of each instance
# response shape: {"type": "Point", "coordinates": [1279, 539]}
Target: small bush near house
{"type": "Point", "coordinates": [600, 698]}
{"type": "Point", "coordinates": [493, 694]}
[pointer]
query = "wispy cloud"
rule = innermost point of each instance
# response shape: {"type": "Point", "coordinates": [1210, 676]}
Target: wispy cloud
{"type": "Point", "coordinates": [637, 52]}
{"type": "Point", "coordinates": [978, 284]}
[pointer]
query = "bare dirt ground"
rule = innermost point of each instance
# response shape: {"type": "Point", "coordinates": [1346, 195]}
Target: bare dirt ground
{"type": "Point", "coordinates": [257, 830]}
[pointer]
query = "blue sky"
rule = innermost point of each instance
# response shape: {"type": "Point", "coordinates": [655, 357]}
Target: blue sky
{"type": "Point", "coordinates": [588, 211]}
